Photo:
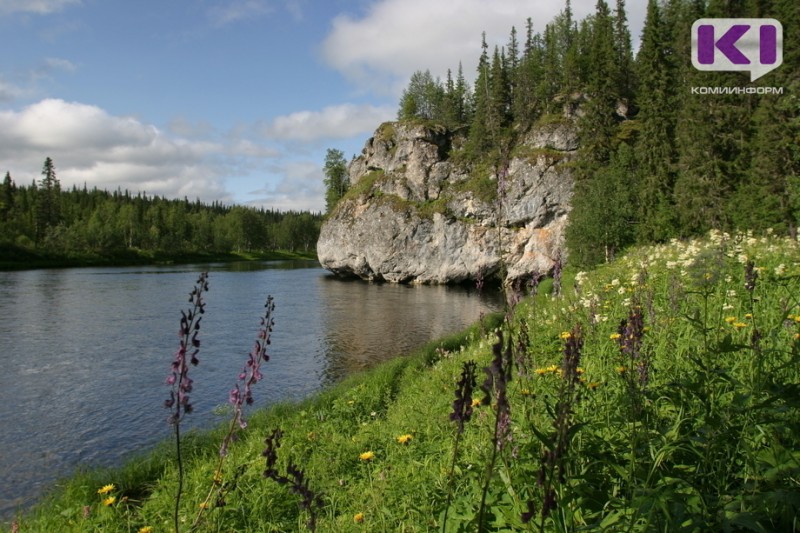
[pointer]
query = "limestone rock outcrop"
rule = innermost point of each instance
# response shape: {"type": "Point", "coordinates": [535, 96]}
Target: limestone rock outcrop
{"type": "Point", "coordinates": [415, 214]}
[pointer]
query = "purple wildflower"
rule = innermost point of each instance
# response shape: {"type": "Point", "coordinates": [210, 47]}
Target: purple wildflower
{"type": "Point", "coordinates": [189, 347]}
{"type": "Point", "coordinates": [242, 393]}
{"type": "Point", "coordinates": [462, 406]}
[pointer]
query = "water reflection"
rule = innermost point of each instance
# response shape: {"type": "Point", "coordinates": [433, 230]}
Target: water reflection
{"type": "Point", "coordinates": [85, 352]}
{"type": "Point", "coordinates": [365, 323]}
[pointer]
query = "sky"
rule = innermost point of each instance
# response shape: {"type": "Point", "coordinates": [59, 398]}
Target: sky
{"type": "Point", "coordinates": [235, 101]}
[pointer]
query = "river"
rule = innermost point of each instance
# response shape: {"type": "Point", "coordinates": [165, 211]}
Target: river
{"type": "Point", "coordinates": [85, 352]}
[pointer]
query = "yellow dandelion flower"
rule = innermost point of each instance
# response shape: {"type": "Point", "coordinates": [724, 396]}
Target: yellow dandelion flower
{"type": "Point", "coordinates": [580, 370]}
{"type": "Point", "coordinates": [109, 501]}
{"type": "Point", "coordinates": [797, 318]}
{"type": "Point", "coordinates": [797, 336]}
{"type": "Point", "coordinates": [620, 369]}
{"type": "Point", "coordinates": [614, 336]}
{"type": "Point", "coordinates": [404, 439]}
{"type": "Point", "coordinates": [730, 319]}
{"type": "Point", "coordinates": [204, 505]}
{"type": "Point", "coordinates": [593, 385]}
{"type": "Point", "coordinates": [525, 392]}
{"type": "Point", "coordinates": [541, 371]}
{"type": "Point", "coordinates": [476, 402]}
{"type": "Point", "coordinates": [749, 315]}
{"type": "Point", "coordinates": [565, 335]}
{"type": "Point", "coordinates": [739, 325]}
{"type": "Point", "coordinates": [367, 456]}
{"type": "Point", "coordinates": [105, 489]}
{"type": "Point", "coordinates": [358, 518]}
{"type": "Point", "coordinates": [553, 369]}
{"type": "Point", "coordinates": [146, 529]}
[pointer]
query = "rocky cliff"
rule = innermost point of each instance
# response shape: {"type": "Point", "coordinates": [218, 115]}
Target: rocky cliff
{"type": "Point", "coordinates": [414, 214]}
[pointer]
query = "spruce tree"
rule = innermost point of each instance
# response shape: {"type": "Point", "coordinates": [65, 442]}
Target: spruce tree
{"type": "Point", "coordinates": [480, 133]}
{"type": "Point", "coordinates": [656, 144]}
{"type": "Point", "coordinates": [7, 197]}
{"type": "Point", "coordinates": [48, 200]}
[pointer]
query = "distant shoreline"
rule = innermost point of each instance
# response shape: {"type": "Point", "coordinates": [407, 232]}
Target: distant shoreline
{"type": "Point", "coordinates": [21, 259]}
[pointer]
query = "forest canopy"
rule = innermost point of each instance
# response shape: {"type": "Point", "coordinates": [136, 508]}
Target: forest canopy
{"type": "Point", "coordinates": [666, 160]}
{"type": "Point", "coordinates": [44, 218]}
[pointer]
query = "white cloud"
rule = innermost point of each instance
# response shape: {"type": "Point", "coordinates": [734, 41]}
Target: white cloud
{"type": "Point", "coordinates": [88, 145]}
{"type": "Point", "coordinates": [40, 7]}
{"type": "Point", "coordinates": [300, 188]}
{"type": "Point", "coordinates": [396, 37]}
{"type": "Point", "coordinates": [333, 122]}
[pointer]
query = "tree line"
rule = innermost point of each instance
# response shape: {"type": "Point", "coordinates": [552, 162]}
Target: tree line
{"type": "Point", "coordinates": [657, 161]}
{"type": "Point", "coordinates": [44, 217]}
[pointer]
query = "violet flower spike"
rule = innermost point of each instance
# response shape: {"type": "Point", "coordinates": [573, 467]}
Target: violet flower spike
{"type": "Point", "coordinates": [178, 380]}
{"type": "Point", "coordinates": [242, 393]}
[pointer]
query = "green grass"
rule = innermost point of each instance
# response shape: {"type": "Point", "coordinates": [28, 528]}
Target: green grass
{"type": "Point", "coordinates": [710, 442]}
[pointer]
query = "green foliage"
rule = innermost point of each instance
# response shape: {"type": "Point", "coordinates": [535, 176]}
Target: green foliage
{"type": "Point", "coordinates": [692, 427]}
{"type": "Point", "coordinates": [50, 226]}
{"type": "Point", "coordinates": [336, 179]}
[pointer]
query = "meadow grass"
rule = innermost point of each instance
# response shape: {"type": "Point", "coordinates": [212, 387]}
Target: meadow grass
{"type": "Point", "coordinates": [660, 392]}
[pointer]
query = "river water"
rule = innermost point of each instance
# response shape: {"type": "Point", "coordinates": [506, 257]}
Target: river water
{"type": "Point", "coordinates": [84, 353]}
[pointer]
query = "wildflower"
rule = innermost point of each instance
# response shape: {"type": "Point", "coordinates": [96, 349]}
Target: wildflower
{"type": "Point", "coordinates": [251, 373]}
{"type": "Point", "coordinates": [620, 369]}
{"type": "Point", "coordinates": [108, 502]}
{"type": "Point", "coordinates": [105, 489]}
{"type": "Point", "coordinates": [739, 325]}
{"type": "Point", "coordinates": [565, 335]}
{"type": "Point", "coordinates": [367, 456]}
{"type": "Point", "coordinates": [780, 270]}
{"type": "Point", "coordinates": [189, 347]}
{"type": "Point", "coordinates": [405, 439]}
{"type": "Point", "coordinates": [730, 319]}
{"type": "Point", "coordinates": [464, 403]}
{"type": "Point", "coordinates": [593, 385]}
{"type": "Point", "coordinates": [358, 518]}
{"type": "Point", "coordinates": [146, 529]}
{"type": "Point", "coordinates": [615, 336]}
{"type": "Point", "coordinates": [748, 315]}
{"type": "Point", "coordinates": [750, 276]}
{"type": "Point", "coordinates": [204, 505]}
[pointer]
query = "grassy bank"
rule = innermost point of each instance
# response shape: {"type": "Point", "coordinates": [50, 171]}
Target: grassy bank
{"type": "Point", "coordinates": [658, 393]}
{"type": "Point", "coordinates": [17, 258]}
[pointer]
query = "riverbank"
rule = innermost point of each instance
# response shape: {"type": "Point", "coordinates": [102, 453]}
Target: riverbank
{"type": "Point", "coordinates": [659, 392]}
{"type": "Point", "coordinates": [17, 258]}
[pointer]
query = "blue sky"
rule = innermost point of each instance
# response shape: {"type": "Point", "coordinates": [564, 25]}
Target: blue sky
{"type": "Point", "coordinates": [229, 100]}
